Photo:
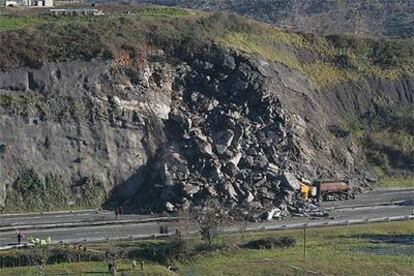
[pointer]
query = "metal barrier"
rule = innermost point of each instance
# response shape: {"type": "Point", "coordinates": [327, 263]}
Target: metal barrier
{"type": "Point", "coordinates": [333, 223]}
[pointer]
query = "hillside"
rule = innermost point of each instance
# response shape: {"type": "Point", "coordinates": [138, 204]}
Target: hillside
{"type": "Point", "coordinates": [163, 108]}
{"type": "Point", "coordinates": [376, 18]}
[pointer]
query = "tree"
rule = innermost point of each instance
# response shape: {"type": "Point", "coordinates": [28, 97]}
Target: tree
{"type": "Point", "coordinates": [208, 221]}
{"type": "Point", "coordinates": [180, 247]}
{"type": "Point", "coordinates": [243, 229]}
{"type": "Point", "coordinates": [112, 255]}
{"type": "Point", "coordinates": [39, 255]}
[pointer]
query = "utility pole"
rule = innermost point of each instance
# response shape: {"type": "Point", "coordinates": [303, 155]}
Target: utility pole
{"type": "Point", "coordinates": [304, 242]}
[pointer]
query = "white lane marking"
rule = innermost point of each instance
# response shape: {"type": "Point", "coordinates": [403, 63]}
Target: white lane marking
{"type": "Point", "coordinates": [49, 217]}
{"type": "Point", "coordinates": [370, 208]}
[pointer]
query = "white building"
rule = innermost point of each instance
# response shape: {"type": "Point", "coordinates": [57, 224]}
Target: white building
{"type": "Point", "coordinates": [11, 4]}
{"type": "Point", "coordinates": [29, 3]}
{"type": "Point", "coordinates": [43, 3]}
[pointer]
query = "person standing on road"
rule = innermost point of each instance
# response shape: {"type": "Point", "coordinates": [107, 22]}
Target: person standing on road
{"type": "Point", "coordinates": [19, 237]}
{"type": "Point", "coordinates": [116, 213]}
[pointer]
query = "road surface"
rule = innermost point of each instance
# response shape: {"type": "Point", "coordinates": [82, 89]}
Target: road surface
{"type": "Point", "coordinates": [58, 226]}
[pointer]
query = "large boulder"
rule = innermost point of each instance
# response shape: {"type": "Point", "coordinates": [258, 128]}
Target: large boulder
{"type": "Point", "coordinates": [223, 140]}
{"type": "Point", "coordinates": [290, 182]}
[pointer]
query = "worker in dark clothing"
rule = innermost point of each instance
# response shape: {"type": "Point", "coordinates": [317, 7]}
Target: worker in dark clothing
{"type": "Point", "coordinates": [19, 237]}
{"type": "Point", "coordinates": [116, 213]}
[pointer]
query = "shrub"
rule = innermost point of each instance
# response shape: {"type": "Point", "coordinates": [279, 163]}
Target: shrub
{"type": "Point", "coordinates": [33, 192]}
{"type": "Point", "coordinates": [28, 183]}
{"type": "Point", "coordinates": [271, 242]}
{"type": "Point", "coordinates": [91, 192]}
{"type": "Point", "coordinates": [179, 248]}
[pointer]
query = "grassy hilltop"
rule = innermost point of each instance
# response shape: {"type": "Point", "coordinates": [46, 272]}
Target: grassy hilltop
{"type": "Point", "coordinates": [375, 18]}
{"type": "Point", "coordinates": [329, 60]}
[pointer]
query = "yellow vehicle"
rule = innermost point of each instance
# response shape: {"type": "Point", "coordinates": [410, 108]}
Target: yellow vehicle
{"type": "Point", "coordinates": [304, 191]}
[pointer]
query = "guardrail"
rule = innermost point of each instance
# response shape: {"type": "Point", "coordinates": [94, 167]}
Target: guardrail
{"type": "Point", "coordinates": [331, 223]}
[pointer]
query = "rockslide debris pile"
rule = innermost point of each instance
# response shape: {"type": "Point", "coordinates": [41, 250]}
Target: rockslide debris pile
{"type": "Point", "coordinates": [227, 137]}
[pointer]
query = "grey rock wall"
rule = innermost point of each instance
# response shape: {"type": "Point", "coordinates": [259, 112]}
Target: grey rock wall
{"type": "Point", "coordinates": [77, 120]}
{"type": "Point", "coordinates": [164, 135]}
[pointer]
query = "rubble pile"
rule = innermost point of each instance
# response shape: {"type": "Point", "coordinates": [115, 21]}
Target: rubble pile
{"type": "Point", "coordinates": [227, 138]}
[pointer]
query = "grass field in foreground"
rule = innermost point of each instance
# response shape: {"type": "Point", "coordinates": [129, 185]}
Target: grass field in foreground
{"type": "Point", "coordinates": [355, 250]}
{"type": "Point", "coordinates": [88, 268]}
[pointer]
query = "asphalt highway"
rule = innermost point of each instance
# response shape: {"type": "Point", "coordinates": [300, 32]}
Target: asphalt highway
{"type": "Point", "coordinates": [58, 226]}
{"type": "Point", "coordinates": [17, 220]}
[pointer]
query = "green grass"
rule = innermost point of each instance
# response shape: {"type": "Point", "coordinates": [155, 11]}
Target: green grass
{"type": "Point", "coordinates": [8, 23]}
{"type": "Point", "coordinates": [396, 182]}
{"type": "Point", "coordinates": [326, 75]}
{"type": "Point", "coordinates": [66, 38]}
{"type": "Point", "coordinates": [329, 260]}
{"type": "Point", "coordinates": [283, 47]}
{"type": "Point", "coordinates": [256, 45]}
{"type": "Point", "coordinates": [164, 12]}
{"type": "Point", "coordinates": [334, 251]}
{"type": "Point", "coordinates": [15, 23]}
{"type": "Point", "coordinates": [88, 268]}
{"type": "Point", "coordinates": [329, 251]}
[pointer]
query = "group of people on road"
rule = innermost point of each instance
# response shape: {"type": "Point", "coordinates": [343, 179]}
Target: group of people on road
{"type": "Point", "coordinates": [119, 211]}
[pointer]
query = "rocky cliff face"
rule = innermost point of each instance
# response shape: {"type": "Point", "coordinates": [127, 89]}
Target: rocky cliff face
{"type": "Point", "coordinates": [78, 120]}
{"type": "Point", "coordinates": [163, 133]}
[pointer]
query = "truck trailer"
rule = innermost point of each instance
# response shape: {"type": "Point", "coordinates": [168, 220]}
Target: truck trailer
{"type": "Point", "coordinates": [327, 190]}
{"type": "Point", "coordinates": [333, 190]}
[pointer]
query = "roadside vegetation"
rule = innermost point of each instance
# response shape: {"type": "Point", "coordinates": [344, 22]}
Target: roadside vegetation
{"type": "Point", "coordinates": [388, 139]}
{"type": "Point", "coordinates": [387, 136]}
{"type": "Point", "coordinates": [396, 182]}
{"type": "Point", "coordinates": [32, 192]}
{"type": "Point", "coordinates": [380, 249]}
